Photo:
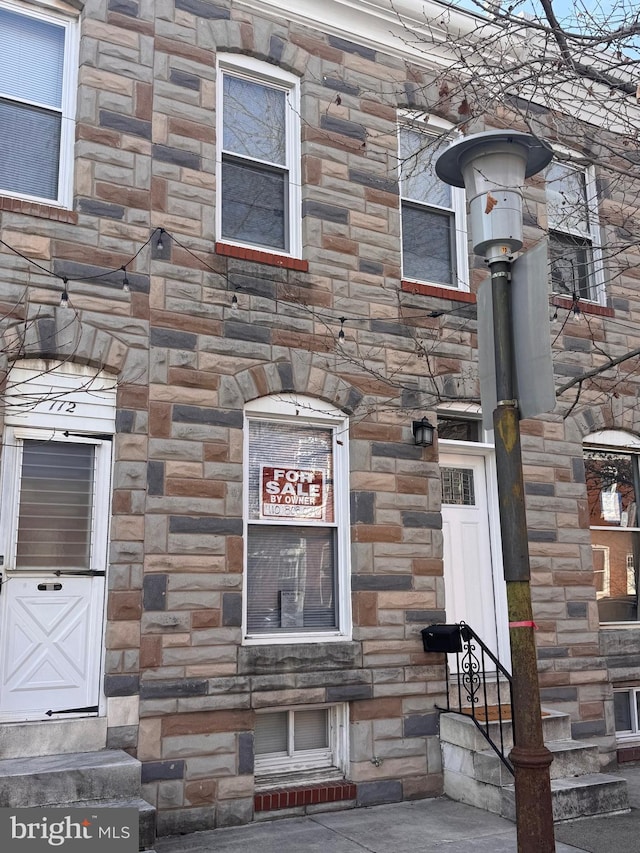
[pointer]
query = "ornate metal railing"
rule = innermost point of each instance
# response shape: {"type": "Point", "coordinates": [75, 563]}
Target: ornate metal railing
{"type": "Point", "coordinates": [474, 680]}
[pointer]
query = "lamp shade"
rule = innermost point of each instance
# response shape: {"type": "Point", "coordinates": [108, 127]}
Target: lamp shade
{"type": "Point", "coordinates": [492, 167]}
{"type": "Point", "coordinates": [423, 433]}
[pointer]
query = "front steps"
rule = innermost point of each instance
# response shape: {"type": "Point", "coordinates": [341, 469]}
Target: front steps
{"type": "Point", "coordinates": [474, 774]}
{"type": "Point", "coordinates": [107, 778]}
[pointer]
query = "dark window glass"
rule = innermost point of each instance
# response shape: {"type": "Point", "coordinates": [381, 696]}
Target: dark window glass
{"type": "Point", "coordinates": [571, 265]}
{"type": "Point", "coordinates": [254, 208]}
{"type": "Point", "coordinates": [427, 245]}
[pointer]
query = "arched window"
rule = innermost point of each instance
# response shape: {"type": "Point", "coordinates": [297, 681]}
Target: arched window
{"type": "Point", "coordinates": [296, 520]}
{"type": "Point", "coordinates": [611, 460]}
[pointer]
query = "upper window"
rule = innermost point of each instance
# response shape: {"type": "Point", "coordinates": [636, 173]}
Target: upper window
{"type": "Point", "coordinates": [297, 534]}
{"type": "Point", "coordinates": [572, 212]}
{"type": "Point", "coordinates": [258, 156]}
{"type": "Point", "coordinates": [434, 240]}
{"type": "Point", "coordinates": [37, 104]}
{"type": "Point", "coordinates": [613, 478]}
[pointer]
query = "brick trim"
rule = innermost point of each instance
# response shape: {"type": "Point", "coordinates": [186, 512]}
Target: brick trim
{"type": "Point", "coordinates": [34, 208]}
{"type": "Point", "coordinates": [287, 798]}
{"type": "Point", "coordinates": [262, 257]}
{"type": "Point", "coordinates": [439, 292]}
{"type": "Point", "coordinates": [585, 307]}
{"type": "Point", "coordinates": [628, 753]}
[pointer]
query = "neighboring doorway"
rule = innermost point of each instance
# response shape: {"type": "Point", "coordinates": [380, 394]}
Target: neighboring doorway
{"type": "Point", "coordinates": [475, 590]}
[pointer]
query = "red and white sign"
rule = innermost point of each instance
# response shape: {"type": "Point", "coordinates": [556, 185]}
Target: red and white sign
{"type": "Point", "coordinates": [291, 493]}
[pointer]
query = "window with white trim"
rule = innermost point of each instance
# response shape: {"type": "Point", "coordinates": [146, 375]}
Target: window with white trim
{"type": "Point", "coordinates": [612, 471]}
{"type": "Point", "coordinates": [296, 521]}
{"type": "Point", "coordinates": [434, 238]}
{"type": "Point", "coordinates": [302, 739]}
{"type": "Point", "coordinates": [38, 61]}
{"type": "Point", "coordinates": [258, 164]}
{"type": "Point", "coordinates": [574, 234]}
{"type": "Point", "coordinates": [626, 706]}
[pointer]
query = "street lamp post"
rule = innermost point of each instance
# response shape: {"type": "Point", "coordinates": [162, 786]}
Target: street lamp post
{"type": "Point", "coordinates": [492, 167]}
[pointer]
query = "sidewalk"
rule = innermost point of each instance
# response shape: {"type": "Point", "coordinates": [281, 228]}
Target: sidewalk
{"type": "Point", "coordinates": [423, 826]}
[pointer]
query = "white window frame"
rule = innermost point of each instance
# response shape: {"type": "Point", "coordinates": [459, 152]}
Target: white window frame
{"type": "Point", "coordinates": [438, 128]}
{"type": "Point", "coordinates": [63, 15]}
{"type": "Point", "coordinates": [327, 762]}
{"type": "Point", "coordinates": [596, 274]}
{"type": "Point", "coordinates": [613, 439]}
{"type": "Point", "coordinates": [248, 68]}
{"type": "Point", "coordinates": [11, 480]}
{"type": "Point", "coordinates": [308, 410]}
{"type": "Point", "coordinates": [632, 734]}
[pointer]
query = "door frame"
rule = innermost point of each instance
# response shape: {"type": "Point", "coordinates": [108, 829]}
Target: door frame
{"type": "Point", "coordinates": [487, 452]}
{"type": "Point", "coordinates": [10, 485]}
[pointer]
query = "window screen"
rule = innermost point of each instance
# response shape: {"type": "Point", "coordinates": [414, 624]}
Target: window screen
{"type": "Point", "coordinates": [255, 173]}
{"type": "Point", "coordinates": [56, 505]}
{"type": "Point", "coordinates": [292, 533]}
{"type": "Point", "coordinates": [31, 79]}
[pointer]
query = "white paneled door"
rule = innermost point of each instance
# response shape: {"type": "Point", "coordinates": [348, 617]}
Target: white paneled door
{"type": "Point", "coordinates": [54, 536]}
{"type": "Point", "coordinates": [474, 586]}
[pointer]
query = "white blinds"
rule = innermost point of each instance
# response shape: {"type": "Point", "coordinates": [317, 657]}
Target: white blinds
{"type": "Point", "coordinates": [56, 506]}
{"type": "Point", "coordinates": [31, 83]}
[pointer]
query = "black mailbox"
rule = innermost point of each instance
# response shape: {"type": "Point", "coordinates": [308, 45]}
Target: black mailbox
{"type": "Point", "coordinates": [442, 638]}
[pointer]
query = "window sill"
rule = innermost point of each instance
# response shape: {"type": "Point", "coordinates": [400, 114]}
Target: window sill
{"type": "Point", "coordinates": [36, 208]}
{"type": "Point", "coordinates": [585, 307]}
{"type": "Point", "coordinates": [451, 293]}
{"type": "Point", "coordinates": [262, 257]}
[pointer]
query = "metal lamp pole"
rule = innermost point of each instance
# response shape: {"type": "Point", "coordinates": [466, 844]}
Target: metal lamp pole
{"type": "Point", "coordinates": [492, 167]}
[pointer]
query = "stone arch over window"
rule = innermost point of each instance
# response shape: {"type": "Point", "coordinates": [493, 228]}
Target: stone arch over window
{"type": "Point", "coordinates": [289, 377]}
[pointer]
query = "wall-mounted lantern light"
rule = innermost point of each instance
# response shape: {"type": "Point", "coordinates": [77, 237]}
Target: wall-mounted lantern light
{"type": "Point", "coordinates": [423, 433]}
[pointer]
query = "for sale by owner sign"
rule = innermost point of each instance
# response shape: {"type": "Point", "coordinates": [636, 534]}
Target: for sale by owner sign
{"type": "Point", "coordinates": [291, 493]}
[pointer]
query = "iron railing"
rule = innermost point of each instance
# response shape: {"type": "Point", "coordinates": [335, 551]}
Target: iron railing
{"type": "Point", "coordinates": [472, 691]}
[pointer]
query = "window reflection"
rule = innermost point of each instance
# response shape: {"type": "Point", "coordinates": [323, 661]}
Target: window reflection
{"type": "Point", "coordinates": [612, 484]}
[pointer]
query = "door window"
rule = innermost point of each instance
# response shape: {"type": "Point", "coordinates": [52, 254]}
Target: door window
{"type": "Point", "coordinates": [56, 505]}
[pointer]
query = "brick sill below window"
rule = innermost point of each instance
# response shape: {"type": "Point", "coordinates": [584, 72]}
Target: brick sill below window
{"type": "Point", "coordinates": [308, 795]}
{"type": "Point", "coordinates": [36, 208]}
{"type": "Point", "coordinates": [439, 292]}
{"type": "Point", "coordinates": [585, 307]}
{"type": "Point", "coordinates": [245, 254]}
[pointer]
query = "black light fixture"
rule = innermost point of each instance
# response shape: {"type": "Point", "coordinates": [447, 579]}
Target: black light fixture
{"type": "Point", "coordinates": [423, 433]}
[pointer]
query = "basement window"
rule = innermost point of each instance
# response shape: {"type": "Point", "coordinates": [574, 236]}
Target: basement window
{"type": "Point", "coordinates": [626, 705]}
{"type": "Point", "coordinates": [302, 739]}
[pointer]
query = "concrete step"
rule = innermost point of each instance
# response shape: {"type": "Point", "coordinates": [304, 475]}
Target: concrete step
{"type": "Point", "coordinates": [147, 815]}
{"type": "Point", "coordinates": [19, 740]}
{"type": "Point", "coordinates": [68, 778]}
{"type": "Point", "coordinates": [581, 796]}
{"type": "Point", "coordinates": [570, 758]}
{"type": "Point", "coordinates": [462, 731]}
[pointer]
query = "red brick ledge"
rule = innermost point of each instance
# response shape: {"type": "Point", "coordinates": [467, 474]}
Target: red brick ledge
{"type": "Point", "coordinates": [34, 208]}
{"type": "Point", "coordinates": [628, 753]}
{"type": "Point", "coordinates": [262, 257]}
{"type": "Point", "coordinates": [439, 292]}
{"type": "Point", "coordinates": [585, 307]}
{"type": "Point", "coordinates": [287, 798]}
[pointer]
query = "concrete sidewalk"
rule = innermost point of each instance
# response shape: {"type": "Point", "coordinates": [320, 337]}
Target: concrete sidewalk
{"type": "Point", "coordinates": [423, 826]}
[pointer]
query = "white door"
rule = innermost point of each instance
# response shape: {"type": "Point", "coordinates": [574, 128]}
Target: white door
{"type": "Point", "coordinates": [474, 586]}
{"type": "Point", "coordinates": [54, 536]}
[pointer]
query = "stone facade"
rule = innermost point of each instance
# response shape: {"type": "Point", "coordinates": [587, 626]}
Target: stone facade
{"type": "Point", "coordinates": [181, 688]}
